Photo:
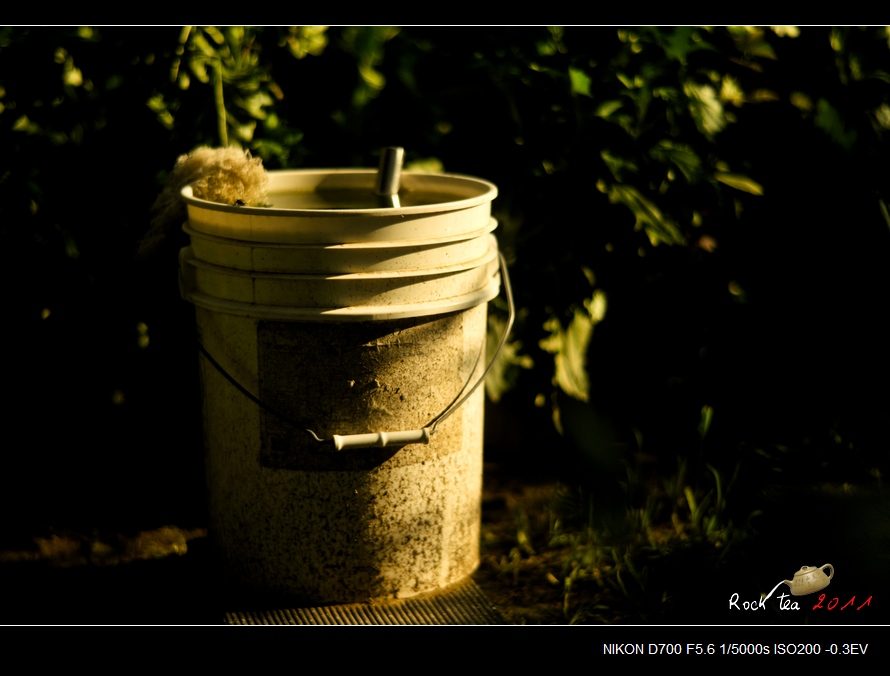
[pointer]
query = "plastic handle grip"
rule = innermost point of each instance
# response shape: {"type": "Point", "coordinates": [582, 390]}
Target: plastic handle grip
{"type": "Point", "coordinates": [381, 439]}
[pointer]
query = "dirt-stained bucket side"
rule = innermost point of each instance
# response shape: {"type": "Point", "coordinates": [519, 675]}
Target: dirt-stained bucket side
{"type": "Point", "coordinates": [292, 516]}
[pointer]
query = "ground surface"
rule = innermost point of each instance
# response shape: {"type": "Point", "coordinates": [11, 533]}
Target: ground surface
{"type": "Point", "coordinates": [532, 569]}
{"type": "Point", "coordinates": [164, 575]}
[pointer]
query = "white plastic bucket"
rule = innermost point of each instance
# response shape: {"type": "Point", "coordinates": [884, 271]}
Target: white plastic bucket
{"type": "Point", "coordinates": [363, 325]}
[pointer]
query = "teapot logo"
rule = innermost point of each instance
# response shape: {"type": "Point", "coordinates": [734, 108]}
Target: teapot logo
{"type": "Point", "coordinates": [809, 579]}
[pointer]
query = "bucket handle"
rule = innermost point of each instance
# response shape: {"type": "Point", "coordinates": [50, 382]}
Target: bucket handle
{"type": "Point", "coordinates": [422, 436]}
{"type": "Point", "coordinates": [382, 439]}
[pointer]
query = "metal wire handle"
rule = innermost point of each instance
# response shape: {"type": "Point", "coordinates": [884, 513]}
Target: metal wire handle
{"type": "Point", "coordinates": [422, 436]}
{"type": "Point", "coordinates": [383, 439]}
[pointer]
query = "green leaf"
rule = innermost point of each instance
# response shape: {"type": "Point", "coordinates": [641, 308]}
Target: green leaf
{"type": "Point", "coordinates": [751, 40]}
{"type": "Point", "coordinates": [372, 77]}
{"type": "Point", "coordinates": [505, 369]}
{"type": "Point", "coordinates": [198, 66]}
{"type": "Point", "coordinates": [625, 80]}
{"type": "Point", "coordinates": [665, 93]}
{"type": "Point", "coordinates": [681, 156]}
{"type": "Point", "coordinates": [762, 49]}
{"type": "Point", "coordinates": [215, 34]}
{"type": "Point", "coordinates": [569, 346]}
{"type": "Point", "coordinates": [203, 46]}
{"type": "Point", "coordinates": [303, 40]}
{"type": "Point", "coordinates": [829, 120]}
{"type": "Point", "coordinates": [617, 164]}
{"type": "Point", "coordinates": [706, 109]}
{"type": "Point", "coordinates": [255, 104]}
{"type": "Point", "coordinates": [580, 81]}
{"type": "Point", "coordinates": [606, 108]}
{"type": "Point", "coordinates": [707, 413]}
{"type": "Point", "coordinates": [571, 361]}
{"type": "Point", "coordinates": [267, 148]}
{"type": "Point", "coordinates": [739, 182]}
{"type": "Point", "coordinates": [596, 306]}
{"type": "Point", "coordinates": [683, 40]}
{"type": "Point", "coordinates": [426, 165]}
{"type": "Point", "coordinates": [658, 226]}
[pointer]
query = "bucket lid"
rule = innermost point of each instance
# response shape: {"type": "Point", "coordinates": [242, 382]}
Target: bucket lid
{"type": "Point", "coordinates": [335, 206]}
{"type": "Point", "coordinates": [340, 258]}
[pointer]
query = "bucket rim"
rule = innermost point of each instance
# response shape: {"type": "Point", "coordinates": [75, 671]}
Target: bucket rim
{"type": "Point", "coordinates": [479, 192]}
{"type": "Point", "coordinates": [490, 227]}
{"type": "Point", "coordinates": [357, 313]}
{"type": "Point", "coordinates": [479, 262]}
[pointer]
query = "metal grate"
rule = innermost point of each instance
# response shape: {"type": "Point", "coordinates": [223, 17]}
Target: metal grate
{"type": "Point", "coordinates": [463, 603]}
